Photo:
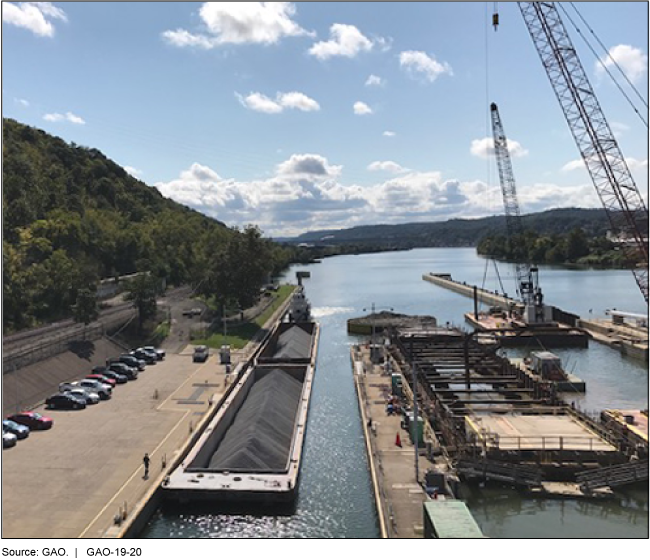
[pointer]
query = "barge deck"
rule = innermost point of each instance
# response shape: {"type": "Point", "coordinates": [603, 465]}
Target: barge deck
{"type": "Point", "coordinates": [251, 451]}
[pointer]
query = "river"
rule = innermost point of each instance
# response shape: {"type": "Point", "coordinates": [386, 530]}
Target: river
{"type": "Point", "coordinates": [335, 494]}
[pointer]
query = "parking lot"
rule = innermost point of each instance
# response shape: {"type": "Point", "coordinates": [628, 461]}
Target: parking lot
{"type": "Point", "coordinates": [72, 480]}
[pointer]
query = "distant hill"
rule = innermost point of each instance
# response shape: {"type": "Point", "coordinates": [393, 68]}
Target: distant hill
{"type": "Point", "coordinates": [456, 233]}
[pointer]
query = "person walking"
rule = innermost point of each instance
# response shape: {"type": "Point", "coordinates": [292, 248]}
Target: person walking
{"type": "Point", "coordinates": [146, 461]}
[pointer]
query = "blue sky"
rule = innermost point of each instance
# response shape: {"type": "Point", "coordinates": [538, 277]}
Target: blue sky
{"type": "Point", "coordinates": [302, 116]}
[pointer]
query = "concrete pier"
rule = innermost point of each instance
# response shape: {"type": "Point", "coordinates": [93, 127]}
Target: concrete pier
{"type": "Point", "coordinates": [484, 296]}
{"type": "Point", "coordinates": [399, 496]}
{"type": "Point", "coordinates": [629, 340]}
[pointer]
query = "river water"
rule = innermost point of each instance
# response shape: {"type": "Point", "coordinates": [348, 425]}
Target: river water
{"type": "Point", "coordinates": [335, 494]}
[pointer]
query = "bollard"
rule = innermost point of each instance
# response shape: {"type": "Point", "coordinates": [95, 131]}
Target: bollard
{"type": "Point", "coordinates": [155, 395]}
{"type": "Point", "coordinates": [163, 461]}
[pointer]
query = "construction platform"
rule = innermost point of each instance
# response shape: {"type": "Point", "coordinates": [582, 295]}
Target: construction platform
{"type": "Point", "coordinates": [505, 327]}
{"type": "Point", "coordinates": [631, 424]}
{"type": "Point", "coordinates": [482, 406]}
{"type": "Point", "coordinates": [513, 333]}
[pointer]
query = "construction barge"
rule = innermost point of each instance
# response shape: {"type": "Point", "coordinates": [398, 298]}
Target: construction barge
{"type": "Point", "coordinates": [509, 322]}
{"type": "Point", "coordinates": [496, 422]}
{"type": "Point", "coordinates": [251, 450]}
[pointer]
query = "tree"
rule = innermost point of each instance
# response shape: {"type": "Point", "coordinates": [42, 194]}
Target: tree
{"type": "Point", "coordinates": [142, 292]}
{"type": "Point", "coordinates": [576, 245]}
{"type": "Point", "coordinates": [239, 268]}
{"type": "Point", "coordinates": [85, 310]}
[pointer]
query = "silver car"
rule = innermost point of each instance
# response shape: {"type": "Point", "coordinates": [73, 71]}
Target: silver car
{"type": "Point", "coordinates": [86, 395]}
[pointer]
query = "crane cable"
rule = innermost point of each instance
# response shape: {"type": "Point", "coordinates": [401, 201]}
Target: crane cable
{"type": "Point", "coordinates": [605, 67]}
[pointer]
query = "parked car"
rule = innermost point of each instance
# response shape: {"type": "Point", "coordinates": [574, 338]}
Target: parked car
{"type": "Point", "coordinates": [159, 352]}
{"type": "Point", "coordinates": [102, 379]}
{"type": "Point", "coordinates": [104, 391]}
{"type": "Point", "coordinates": [65, 401]}
{"type": "Point", "coordinates": [192, 312]}
{"type": "Point", "coordinates": [123, 369]}
{"type": "Point", "coordinates": [147, 357]}
{"type": "Point", "coordinates": [33, 420]}
{"type": "Point", "coordinates": [19, 430]}
{"type": "Point", "coordinates": [119, 378]}
{"type": "Point", "coordinates": [201, 354]}
{"type": "Point", "coordinates": [85, 395]}
{"type": "Point", "coordinates": [8, 439]}
{"type": "Point", "coordinates": [130, 361]}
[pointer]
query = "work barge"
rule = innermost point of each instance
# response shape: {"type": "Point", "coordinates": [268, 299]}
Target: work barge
{"type": "Point", "coordinates": [251, 450]}
{"type": "Point", "coordinates": [498, 423]}
{"type": "Point", "coordinates": [506, 318]}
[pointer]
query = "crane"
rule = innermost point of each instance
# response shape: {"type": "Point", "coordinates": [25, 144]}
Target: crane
{"type": "Point", "coordinates": [624, 206]}
{"type": "Point", "coordinates": [527, 275]}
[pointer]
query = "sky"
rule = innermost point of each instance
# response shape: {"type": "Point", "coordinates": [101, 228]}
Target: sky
{"type": "Point", "coordinates": [321, 115]}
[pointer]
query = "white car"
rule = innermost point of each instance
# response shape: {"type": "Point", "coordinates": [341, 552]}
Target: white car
{"type": "Point", "coordinates": [8, 439]}
{"type": "Point", "coordinates": [104, 391]}
{"type": "Point", "coordinates": [88, 396]}
{"type": "Point", "coordinates": [159, 352]}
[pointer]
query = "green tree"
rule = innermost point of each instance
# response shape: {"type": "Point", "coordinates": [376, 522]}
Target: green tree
{"type": "Point", "coordinates": [142, 291]}
{"type": "Point", "coordinates": [85, 310]}
{"type": "Point", "coordinates": [576, 245]}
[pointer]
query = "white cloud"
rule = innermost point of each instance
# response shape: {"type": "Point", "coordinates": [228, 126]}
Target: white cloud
{"type": "Point", "coordinates": [34, 16]}
{"type": "Point", "coordinates": [183, 38]}
{"type": "Point", "coordinates": [22, 102]}
{"type": "Point", "coordinates": [240, 23]}
{"type": "Point", "coordinates": [312, 165]}
{"type": "Point", "coordinates": [419, 63]}
{"type": "Point", "coordinates": [306, 192]}
{"type": "Point", "coordinates": [297, 100]}
{"type": "Point", "coordinates": [388, 133]}
{"type": "Point", "coordinates": [573, 165]}
{"type": "Point", "coordinates": [345, 40]}
{"type": "Point", "coordinates": [58, 117]}
{"type": "Point", "coordinates": [133, 171]}
{"type": "Point", "coordinates": [360, 108]}
{"type": "Point", "coordinates": [484, 148]}
{"type": "Point", "coordinates": [633, 62]}
{"type": "Point", "coordinates": [633, 164]}
{"type": "Point", "coordinates": [389, 166]}
{"type": "Point", "coordinates": [292, 100]}
{"type": "Point", "coordinates": [375, 81]}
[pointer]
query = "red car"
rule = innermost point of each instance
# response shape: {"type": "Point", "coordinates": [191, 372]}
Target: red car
{"type": "Point", "coordinates": [33, 420]}
{"type": "Point", "coordinates": [102, 379]}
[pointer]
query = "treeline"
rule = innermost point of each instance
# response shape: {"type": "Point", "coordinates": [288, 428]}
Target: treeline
{"type": "Point", "coordinates": [576, 247]}
{"type": "Point", "coordinates": [71, 216]}
{"type": "Point", "coordinates": [455, 233]}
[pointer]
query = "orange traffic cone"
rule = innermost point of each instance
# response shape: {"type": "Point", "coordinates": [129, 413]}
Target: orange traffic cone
{"type": "Point", "coordinates": [398, 440]}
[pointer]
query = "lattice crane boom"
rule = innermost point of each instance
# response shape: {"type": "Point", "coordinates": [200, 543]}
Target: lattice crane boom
{"type": "Point", "coordinates": [625, 208]}
{"type": "Point", "coordinates": [526, 274]}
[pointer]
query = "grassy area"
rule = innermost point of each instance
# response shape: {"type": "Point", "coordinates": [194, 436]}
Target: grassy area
{"type": "Point", "coordinates": [240, 335]}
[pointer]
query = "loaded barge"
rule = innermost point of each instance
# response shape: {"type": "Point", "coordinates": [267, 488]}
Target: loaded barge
{"type": "Point", "coordinates": [251, 450]}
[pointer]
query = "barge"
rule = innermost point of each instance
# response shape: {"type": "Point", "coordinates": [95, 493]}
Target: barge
{"type": "Point", "coordinates": [511, 323]}
{"type": "Point", "coordinates": [251, 450]}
